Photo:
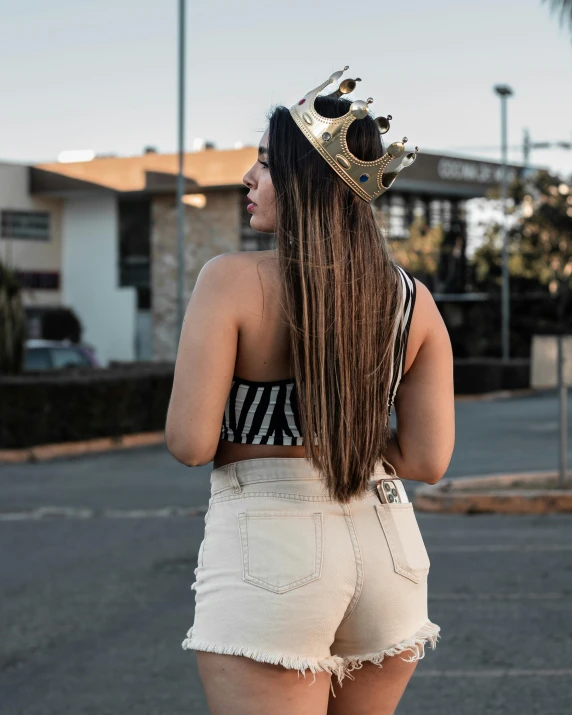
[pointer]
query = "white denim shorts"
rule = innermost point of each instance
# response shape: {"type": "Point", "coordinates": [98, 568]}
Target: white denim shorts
{"type": "Point", "coordinates": [286, 575]}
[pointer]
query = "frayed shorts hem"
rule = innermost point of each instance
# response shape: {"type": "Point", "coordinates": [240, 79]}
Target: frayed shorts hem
{"type": "Point", "coordinates": [428, 633]}
{"type": "Point", "coordinates": [333, 664]}
{"type": "Point", "coordinates": [340, 666]}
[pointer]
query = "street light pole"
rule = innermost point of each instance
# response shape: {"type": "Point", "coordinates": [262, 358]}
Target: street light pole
{"type": "Point", "coordinates": [181, 178]}
{"type": "Point", "coordinates": [528, 145]}
{"type": "Point", "coordinates": [504, 91]}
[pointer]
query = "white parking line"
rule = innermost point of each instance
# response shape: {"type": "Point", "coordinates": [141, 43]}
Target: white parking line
{"type": "Point", "coordinates": [500, 596]}
{"type": "Point", "coordinates": [493, 673]}
{"type": "Point", "coordinates": [60, 512]}
{"type": "Point", "coordinates": [468, 548]}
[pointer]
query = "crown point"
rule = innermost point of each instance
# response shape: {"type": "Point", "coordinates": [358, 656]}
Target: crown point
{"type": "Point", "coordinates": [389, 117]}
{"type": "Point", "coordinates": [405, 140]}
{"type": "Point", "coordinates": [346, 68]}
{"type": "Point", "coordinates": [383, 124]}
{"type": "Point", "coordinates": [359, 109]}
{"type": "Point", "coordinates": [369, 100]}
{"type": "Point", "coordinates": [395, 150]}
{"type": "Point", "coordinates": [335, 77]}
{"type": "Point", "coordinates": [416, 149]}
{"type": "Point", "coordinates": [358, 79]}
{"type": "Point", "coordinates": [346, 87]}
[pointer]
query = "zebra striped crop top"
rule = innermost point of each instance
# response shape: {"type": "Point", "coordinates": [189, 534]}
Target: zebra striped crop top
{"type": "Point", "coordinates": [267, 412]}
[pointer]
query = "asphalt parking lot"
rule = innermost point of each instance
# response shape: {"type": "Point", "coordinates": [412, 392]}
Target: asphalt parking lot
{"type": "Point", "coordinates": [98, 558]}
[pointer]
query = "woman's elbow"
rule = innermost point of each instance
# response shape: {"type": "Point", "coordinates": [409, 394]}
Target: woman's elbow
{"type": "Point", "coordinates": [434, 477]}
{"type": "Point", "coordinates": [180, 447]}
{"type": "Point", "coordinates": [436, 470]}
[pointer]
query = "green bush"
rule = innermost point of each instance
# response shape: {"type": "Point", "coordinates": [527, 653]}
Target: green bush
{"type": "Point", "coordinates": [12, 323]}
{"type": "Point", "coordinates": [80, 404]}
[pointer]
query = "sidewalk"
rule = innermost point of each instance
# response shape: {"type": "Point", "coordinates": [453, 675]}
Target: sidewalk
{"type": "Point", "coordinates": [74, 449]}
{"type": "Point", "coordinates": [525, 493]}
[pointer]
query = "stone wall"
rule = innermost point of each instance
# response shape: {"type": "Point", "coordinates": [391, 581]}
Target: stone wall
{"type": "Point", "coordinates": [209, 231]}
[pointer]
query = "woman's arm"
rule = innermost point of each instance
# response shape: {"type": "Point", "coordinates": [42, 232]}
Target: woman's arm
{"type": "Point", "coordinates": [422, 446]}
{"type": "Point", "coordinates": [205, 363]}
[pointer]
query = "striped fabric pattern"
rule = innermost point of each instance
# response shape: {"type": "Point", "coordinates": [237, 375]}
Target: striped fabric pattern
{"type": "Point", "coordinates": [267, 412]}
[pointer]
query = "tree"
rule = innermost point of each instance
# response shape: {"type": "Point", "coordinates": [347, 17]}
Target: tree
{"type": "Point", "coordinates": [12, 323]}
{"type": "Point", "coordinates": [420, 252]}
{"type": "Point", "coordinates": [539, 239]}
{"type": "Point", "coordinates": [564, 9]}
{"type": "Point", "coordinates": [543, 236]}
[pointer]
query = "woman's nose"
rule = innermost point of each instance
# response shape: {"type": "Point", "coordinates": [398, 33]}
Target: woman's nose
{"type": "Point", "coordinates": [247, 180]}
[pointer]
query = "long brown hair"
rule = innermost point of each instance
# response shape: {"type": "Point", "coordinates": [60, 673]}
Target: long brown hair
{"type": "Point", "coordinates": [342, 298]}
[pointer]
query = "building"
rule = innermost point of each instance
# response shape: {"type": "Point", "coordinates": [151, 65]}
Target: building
{"type": "Point", "coordinates": [63, 248]}
{"type": "Point", "coordinates": [115, 230]}
{"type": "Point", "coordinates": [30, 235]}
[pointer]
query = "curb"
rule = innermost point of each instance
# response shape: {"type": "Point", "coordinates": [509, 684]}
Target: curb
{"type": "Point", "coordinates": [497, 395]}
{"type": "Point", "coordinates": [46, 452]}
{"type": "Point", "coordinates": [523, 493]}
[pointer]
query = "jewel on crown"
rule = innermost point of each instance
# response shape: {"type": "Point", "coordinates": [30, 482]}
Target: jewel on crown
{"type": "Point", "coordinates": [369, 179]}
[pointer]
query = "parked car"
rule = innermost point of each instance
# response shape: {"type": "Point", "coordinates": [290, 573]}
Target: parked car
{"type": "Point", "coordinates": [54, 354]}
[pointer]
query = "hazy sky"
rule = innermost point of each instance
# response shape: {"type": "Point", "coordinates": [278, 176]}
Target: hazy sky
{"type": "Point", "coordinates": [103, 75]}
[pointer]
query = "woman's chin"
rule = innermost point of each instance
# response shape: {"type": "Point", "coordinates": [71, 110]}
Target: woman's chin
{"type": "Point", "coordinates": [259, 224]}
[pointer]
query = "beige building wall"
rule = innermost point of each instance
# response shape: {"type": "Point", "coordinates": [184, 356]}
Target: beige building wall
{"type": "Point", "coordinates": [26, 254]}
{"type": "Point", "coordinates": [209, 231]}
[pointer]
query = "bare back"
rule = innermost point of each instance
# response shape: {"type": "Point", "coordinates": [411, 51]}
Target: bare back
{"type": "Point", "coordinates": [263, 351]}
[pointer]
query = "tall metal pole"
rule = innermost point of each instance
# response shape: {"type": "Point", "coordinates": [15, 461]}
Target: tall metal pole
{"type": "Point", "coordinates": [181, 177]}
{"type": "Point", "coordinates": [505, 276]}
{"type": "Point", "coordinates": [563, 400]}
{"type": "Point", "coordinates": [526, 146]}
{"type": "Point", "coordinates": [503, 91]}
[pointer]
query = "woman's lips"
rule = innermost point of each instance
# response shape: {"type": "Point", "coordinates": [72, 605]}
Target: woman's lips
{"type": "Point", "coordinates": [250, 207]}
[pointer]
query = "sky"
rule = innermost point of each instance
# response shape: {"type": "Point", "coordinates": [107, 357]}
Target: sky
{"type": "Point", "coordinates": [103, 75]}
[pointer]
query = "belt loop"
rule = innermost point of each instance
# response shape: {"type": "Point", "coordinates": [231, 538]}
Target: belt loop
{"type": "Point", "coordinates": [234, 483]}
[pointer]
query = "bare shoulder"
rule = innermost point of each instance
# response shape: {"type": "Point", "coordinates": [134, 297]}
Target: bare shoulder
{"type": "Point", "coordinates": [223, 278]}
{"type": "Point", "coordinates": [428, 329]}
{"type": "Point", "coordinates": [266, 260]}
{"type": "Point", "coordinates": [244, 278]}
{"type": "Point", "coordinates": [241, 261]}
{"type": "Point", "coordinates": [225, 263]}
{"type": "Point", "coordinates": [256, 270]}
{"type": "Point", "coordinates": [231, 270]}
{"type": "Point", "coordinates": [426, 316]}
{"type": "Point", "coordinates": [426, 323]}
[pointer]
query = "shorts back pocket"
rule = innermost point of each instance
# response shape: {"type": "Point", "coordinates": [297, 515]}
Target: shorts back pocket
{"type": "Point", "coordinates": [399, 524]}
{"type": "Point", "coordinates": [281, 550]}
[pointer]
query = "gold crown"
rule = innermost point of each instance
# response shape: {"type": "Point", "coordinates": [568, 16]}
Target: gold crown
{"type": "Point", "coordinates": [367, 178]}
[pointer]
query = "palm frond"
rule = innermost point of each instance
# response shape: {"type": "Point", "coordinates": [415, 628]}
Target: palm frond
{"type": "Point", "coordinates": [562, 8]}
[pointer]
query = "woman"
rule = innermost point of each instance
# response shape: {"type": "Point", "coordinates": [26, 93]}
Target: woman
{"type": "Point", "coordinates": [289, 363]}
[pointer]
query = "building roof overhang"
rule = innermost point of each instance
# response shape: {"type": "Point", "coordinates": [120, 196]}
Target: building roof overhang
{"type": "Point", "coordinates": [432, 174]}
